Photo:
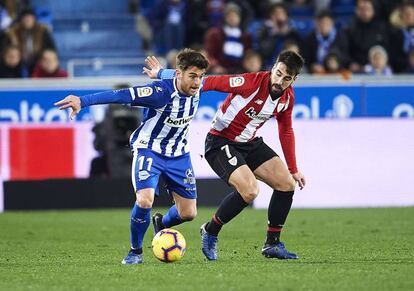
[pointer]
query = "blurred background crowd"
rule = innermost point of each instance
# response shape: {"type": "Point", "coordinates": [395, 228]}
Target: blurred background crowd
{"type": "Point", "coordinates": [41, 38]}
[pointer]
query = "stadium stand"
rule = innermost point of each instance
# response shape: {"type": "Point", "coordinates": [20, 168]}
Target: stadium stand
{"type": "Point", "coordinates": [95, 33]}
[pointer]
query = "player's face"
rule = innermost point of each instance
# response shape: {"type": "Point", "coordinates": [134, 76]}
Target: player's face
{"type": "Point", "coordinates": [280, 80]}
{"type": "Point", "coordinates": [189, 81]}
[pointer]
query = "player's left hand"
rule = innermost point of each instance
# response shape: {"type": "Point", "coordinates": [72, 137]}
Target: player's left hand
{"type": "Point", "coordinates": [72, 102]}
{"type": "Point", "coordinates": [300, 178]}
{"type": "Point", "coordinates": [154, 66]}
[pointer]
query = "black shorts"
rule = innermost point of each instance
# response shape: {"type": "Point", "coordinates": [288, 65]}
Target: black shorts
{"type": "Point", "coordinates": [225, 156]}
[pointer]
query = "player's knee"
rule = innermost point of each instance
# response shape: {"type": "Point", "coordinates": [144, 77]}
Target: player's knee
{"type": "Point", "coordinates": [188, 214]}
{"type": "Point", "coordinates": [144, 202]}
{"type": "Point", "coordinates": [287, 184]}
{"type": "Point", "coordinates": [250, 191]}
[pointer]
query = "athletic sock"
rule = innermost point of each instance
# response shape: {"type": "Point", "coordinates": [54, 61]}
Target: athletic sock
{"type": "Point", "coordinates": [278, 210]}
{"type": "Point", "coordinates": [136, 251]}
{"type": "Point", "coordinates": [140, 220]}
{"type": "Point", "coordinates": [172, 217]}
{"type": "Point", "coordinates": [229, 208]}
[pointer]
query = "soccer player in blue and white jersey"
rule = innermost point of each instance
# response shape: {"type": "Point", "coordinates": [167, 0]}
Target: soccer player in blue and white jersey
{"type": "Point", "coordinates": [159, 145]}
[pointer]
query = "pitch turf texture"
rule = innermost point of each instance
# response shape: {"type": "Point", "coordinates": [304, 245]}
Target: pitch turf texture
{"type": "Point", "coordinates": [339, 249]}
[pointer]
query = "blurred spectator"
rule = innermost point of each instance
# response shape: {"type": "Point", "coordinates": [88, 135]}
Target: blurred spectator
{"type": "Point", "coordinates": [215, 12]}
{"type": "Point", "coordinates": [364, 32]}
{"type": "Point", "coordinates": [252, 62]}
{"type": "Point", "coordinates": [403, 39]}
{"type": "Point", "coordinates": [320, 41]}
{"type": "Point", "coordinates": [378, 62]}
{"type": "Point", "coordinates": [11, 65]}
{"type": "Point", "coordinates": [168, 24]}
{"type": "Point", "coordinates": [172, 59]}
{"type": "Point", "coordinates": [386, 7]}
{"type": "Point", "coordinates": [226, 45]}
{"type": "Point", "coordinates": [14, 6]}
{"type": "Point", "coordinates": [31, 37]}
{"type": "Point", "coordinates": [291, 45]}
{"type": "Point", "coordinates": [210, 13]}
{"type": "Point", "coordinates": [410, 69]}
{"type": "Point", "coordinates": [48, 66]}
{"type": "Point", "coordinates": [320, 5]}
{"type": "Point", "coordinates": [275, 32]}
{"type": "Point", "coordinates": [247, 11]}
{"type": "Point", "coordinates": [198, 23]}
{"type": "Point", "coordinates": [5, 19]}
{"type": "Point", "coordinates": [332, 65]}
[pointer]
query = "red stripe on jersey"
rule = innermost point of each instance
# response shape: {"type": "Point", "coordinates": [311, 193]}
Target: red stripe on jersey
{"type": "Point", "coordinates": [242, 119]}
{"type": "Point", "coordinates": [227, 102]}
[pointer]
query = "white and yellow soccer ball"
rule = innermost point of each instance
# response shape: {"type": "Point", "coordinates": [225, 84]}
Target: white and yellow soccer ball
{"type": "Point", "coordinates": [168, 245]}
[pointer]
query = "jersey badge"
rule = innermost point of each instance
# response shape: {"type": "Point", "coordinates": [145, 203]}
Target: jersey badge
{"type": "Point", "coordinates": [236, 81]}
{"type": "Point", "coordinates": [144, 91]}
{"type": "Point", "coordinates": [233, 161]}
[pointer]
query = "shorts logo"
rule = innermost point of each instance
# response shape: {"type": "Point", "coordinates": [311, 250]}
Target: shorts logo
{"type": "Point", "coordinates": [144, 91]}
{"type": "Point", "coordinates": [143, 175]}
{"type": "Point", "coordinates": [236, 81]}
{"type": "Point", "coordinates": [233, 161]}
{"type": "Point", "coordinates": [190, 177]}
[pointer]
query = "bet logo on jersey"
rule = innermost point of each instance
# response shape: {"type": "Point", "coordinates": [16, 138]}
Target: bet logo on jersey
{"type": "Point", "coordinates": [236, 81]}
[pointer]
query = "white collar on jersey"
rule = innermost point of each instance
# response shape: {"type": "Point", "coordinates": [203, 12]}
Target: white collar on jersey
{"type": "Point", "coordinates": [177, 93]}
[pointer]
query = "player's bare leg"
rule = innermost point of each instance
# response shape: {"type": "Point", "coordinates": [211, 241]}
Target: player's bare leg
{"type": "Point", "coordinates": [183, 210]}
{"type": "Point", "coordinates": [275, 174]}
{"type": "Point", "coordinates": [140, 220]}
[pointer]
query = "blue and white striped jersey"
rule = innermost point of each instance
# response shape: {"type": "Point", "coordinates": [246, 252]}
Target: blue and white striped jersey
{"type": "Point", "coordinates": [167, 117]}
{"type": "Point", "coordinates": [165, 127]}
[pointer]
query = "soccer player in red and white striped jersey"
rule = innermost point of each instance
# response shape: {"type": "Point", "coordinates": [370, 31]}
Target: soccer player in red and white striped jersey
{"type": "Point", "coordinates": [239, 157]}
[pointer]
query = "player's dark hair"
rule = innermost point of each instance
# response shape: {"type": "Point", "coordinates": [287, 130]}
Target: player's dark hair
{"type": "Point", "coordinates": [187, 58]}
{"type": "Point", "coordinates": [293, 61]}
{"type": "Point", "coordinates": [279, 5]}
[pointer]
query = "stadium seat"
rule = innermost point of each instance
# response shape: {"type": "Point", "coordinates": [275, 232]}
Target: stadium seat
{"type": "Point", "coordinates": [342, 7]}
{"type": "Point", "coordinates": [93, 23]}
{"type": "Point", "coordinates": [108, 70]}
{"type": "Point", "coordinates": [102, 39]}
{"type": "Point", "coordinates": [85, 7]}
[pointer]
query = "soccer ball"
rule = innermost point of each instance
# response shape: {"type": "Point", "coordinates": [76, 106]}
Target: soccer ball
{"type": "Point", "coordinates": [168, 245]}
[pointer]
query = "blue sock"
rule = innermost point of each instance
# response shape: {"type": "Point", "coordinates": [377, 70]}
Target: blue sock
{"type": "Point", "coordinates": [140, 220]}
{"type": "Point", "coordinates": [172, 217]}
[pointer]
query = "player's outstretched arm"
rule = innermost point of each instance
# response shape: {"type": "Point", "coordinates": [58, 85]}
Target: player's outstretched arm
{"type": "Point", "coordinates": [71, 101]}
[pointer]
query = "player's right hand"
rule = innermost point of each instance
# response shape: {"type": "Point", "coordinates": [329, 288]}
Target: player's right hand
{"type": "Point", "coordinates": [72, 102]}
{"type": "Point", "coordinates": [154, 66]}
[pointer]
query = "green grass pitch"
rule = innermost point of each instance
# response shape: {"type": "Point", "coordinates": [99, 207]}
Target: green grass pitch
{"type": "Point", "coordinates": [339, 249]}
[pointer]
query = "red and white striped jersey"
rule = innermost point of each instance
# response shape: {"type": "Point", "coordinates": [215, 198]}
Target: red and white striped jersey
{"type": "Point", "coordinates": [248, 106]}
